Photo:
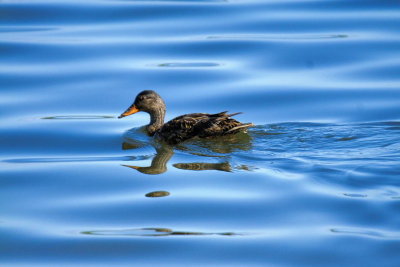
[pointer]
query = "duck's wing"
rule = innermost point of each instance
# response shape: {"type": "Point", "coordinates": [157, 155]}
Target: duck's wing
{"type": "Point", "coordinates": [181, 128]}
{"type": "Point", "coordinates": [200, 125]}
{"type": "Point", "coordinates": [221, 124]}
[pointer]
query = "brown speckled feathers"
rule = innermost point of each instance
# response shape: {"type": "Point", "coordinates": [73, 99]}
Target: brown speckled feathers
{"type": "Point", "coordinates": [200, 125]}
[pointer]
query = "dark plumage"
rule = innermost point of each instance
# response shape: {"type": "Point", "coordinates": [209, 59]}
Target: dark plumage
{"type": "Point", "coordinates": [184, 127]}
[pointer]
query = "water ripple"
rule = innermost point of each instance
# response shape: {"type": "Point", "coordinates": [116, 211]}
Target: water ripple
{"type": "Point", "coordinates": [17, 29]}
{"type": "Point", "coordinates": [189, 65]}
{"type": "Point", "coordinates": [151, 232]}
{"type": "Point", "coordinates": [366, 232]}
{"type": "Point", "coordinates": [296, 37]}
{"type": "Point", "coordinates": [319, 79]}
{"type": "Point", "coordinates": [78, 117]}
{"type": "Point", "coordinates": [72, 159]}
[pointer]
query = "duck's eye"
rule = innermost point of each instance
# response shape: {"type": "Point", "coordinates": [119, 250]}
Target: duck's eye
{"type": "Point", "coordinates": [144, 97]}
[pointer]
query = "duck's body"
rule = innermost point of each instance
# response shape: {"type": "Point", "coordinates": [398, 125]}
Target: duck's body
{"type": "Point", "coordinates": [201, 125]}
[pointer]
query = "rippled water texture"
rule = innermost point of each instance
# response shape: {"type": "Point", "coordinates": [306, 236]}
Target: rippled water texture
{"type": "Point", "coordinates": [316, 182]}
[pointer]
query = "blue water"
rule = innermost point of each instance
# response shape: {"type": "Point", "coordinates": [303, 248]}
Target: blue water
{"type": "Point", "coordinates": [316, 182]}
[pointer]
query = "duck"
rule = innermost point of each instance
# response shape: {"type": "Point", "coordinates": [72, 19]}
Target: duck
{"type": "Point", "coordinates": [184, 127]}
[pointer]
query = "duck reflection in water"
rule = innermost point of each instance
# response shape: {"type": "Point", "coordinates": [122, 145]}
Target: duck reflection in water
{"type": "Point", "coordinates": [216, 147]}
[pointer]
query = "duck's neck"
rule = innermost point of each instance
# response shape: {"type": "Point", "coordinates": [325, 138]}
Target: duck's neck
{"type": "Point", "coordinates": [156, 120]}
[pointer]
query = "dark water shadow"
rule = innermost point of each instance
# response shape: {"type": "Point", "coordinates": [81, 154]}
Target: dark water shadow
{"type": "Point", "coordinates": [198, 166]}
{"type": "Point", "coordinates": [218, 147]}
{"type": "Point", "coordinates": [158, 194]}
{"type": "Point", "coordinates": [152, 232]}
{"type": "Point", "coordinates": [188, 65]}
{"type": "Point", "coordinates": [78, 117]}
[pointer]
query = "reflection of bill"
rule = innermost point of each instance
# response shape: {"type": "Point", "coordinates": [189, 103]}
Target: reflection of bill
{"type": "Point", "coordinates": [159, 162]}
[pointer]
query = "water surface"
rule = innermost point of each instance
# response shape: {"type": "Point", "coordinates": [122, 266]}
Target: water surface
{"type": "Point", "coordinates": [315, 182]}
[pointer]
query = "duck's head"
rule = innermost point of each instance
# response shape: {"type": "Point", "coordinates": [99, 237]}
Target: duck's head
{"type": "Point", "coordinates": [147, 101]}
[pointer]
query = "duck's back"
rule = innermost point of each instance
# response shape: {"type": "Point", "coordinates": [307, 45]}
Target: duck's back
{"type": "Point", "coordinates": [199, 125]}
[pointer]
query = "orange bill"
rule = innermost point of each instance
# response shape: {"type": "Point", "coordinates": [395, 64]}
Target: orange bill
{"type": "Point", "coordinates": [133, 167]}
{"type": "Point", "coordinates": [131, 110]}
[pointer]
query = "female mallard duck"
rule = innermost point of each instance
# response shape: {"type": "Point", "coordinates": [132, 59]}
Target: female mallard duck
{"type": "Point", "coordinates": [183, 127]}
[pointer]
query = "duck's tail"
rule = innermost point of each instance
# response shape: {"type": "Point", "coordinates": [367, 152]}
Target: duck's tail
{"type": "Point", "coordinates": [240, 127]}
{"type": "Point", "coordinates": [233, 114]}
